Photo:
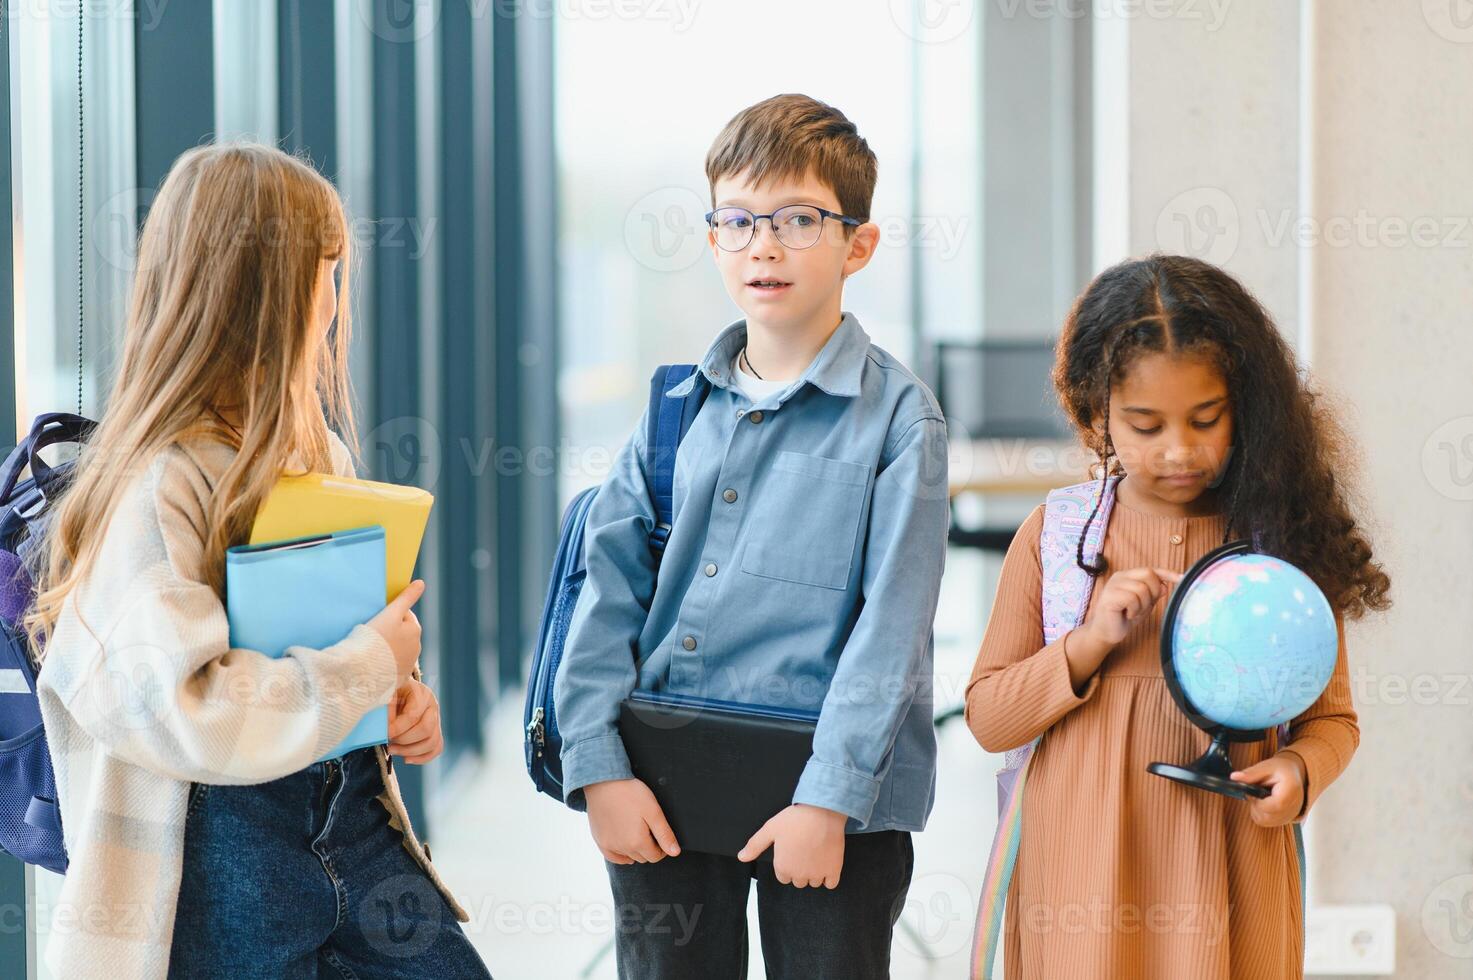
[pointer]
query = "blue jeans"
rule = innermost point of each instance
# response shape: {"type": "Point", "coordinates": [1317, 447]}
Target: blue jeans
{"type": "Point", "coordinates": [686, 917]}
{"type": "Point", "coordinates": [303, 877]}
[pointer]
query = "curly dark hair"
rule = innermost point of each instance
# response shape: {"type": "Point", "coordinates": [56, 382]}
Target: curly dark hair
{"type": "Point", "coordinates": [1294, 503]}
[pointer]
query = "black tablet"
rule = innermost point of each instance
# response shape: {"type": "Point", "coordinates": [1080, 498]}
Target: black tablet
{"type": "Point", "coordinates": [719, 769]}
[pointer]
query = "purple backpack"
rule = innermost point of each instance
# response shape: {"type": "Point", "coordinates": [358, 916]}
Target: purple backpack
{"type": "Point", "coordinates": [30, 816]}
{"type": "Point", "coordinates": [1066, 591]}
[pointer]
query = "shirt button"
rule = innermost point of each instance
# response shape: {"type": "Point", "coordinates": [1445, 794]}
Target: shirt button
{"type": "Point", "coordinates": [711, 569]}
{"type": "Point", "coordinates": [756, 417]}
{"type": "Point", "coordinates": [729, 496]}
{"type": "Point", "coordinates": [1176, 539]}
{"type": "Point", "coordinates": [689, 643]}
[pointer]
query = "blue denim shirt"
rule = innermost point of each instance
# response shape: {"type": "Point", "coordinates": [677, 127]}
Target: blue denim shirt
{"type": "Point", "coordinates": [802, 570]}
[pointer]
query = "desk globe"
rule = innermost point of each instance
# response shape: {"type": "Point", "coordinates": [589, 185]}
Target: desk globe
{"type": "Point", "coordinates": [1248, 642]}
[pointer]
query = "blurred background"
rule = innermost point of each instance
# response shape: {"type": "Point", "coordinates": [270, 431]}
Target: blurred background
{"type": "Point", "coordinates": [525, 179]}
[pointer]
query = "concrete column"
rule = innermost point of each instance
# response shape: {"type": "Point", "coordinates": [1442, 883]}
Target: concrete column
{"type": "Point", "coordinates": [1322, 152]}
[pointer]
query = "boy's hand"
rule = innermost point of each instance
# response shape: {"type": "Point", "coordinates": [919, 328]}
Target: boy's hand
{"type": "Point", "coordinates": [627, 823]}
{"type": "Point", "coordinates": [414, 724]}
{"type": "Point", "coordinates": [808, 846]}
{"type": "Point", "coordinates": [1285, 775]}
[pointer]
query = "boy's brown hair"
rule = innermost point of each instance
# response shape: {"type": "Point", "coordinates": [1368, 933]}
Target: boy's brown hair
{"type": "Point", "coordinates": [789, 136]}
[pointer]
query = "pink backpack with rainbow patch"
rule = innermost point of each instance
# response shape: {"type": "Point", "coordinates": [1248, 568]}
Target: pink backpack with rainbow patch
{"type": "Point", "coordinates": [1066, 590]}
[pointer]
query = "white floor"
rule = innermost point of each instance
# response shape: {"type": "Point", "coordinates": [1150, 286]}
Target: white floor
{"type": "Point", "coordinates": [534, 884]}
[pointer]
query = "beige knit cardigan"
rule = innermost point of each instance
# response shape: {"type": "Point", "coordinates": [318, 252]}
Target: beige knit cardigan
{"type": "Point", "coordinates": [141, 694]}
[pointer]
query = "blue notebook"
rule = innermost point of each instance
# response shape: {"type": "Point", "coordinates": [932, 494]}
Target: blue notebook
{"type": "Point", "coordinates": [310, 592]}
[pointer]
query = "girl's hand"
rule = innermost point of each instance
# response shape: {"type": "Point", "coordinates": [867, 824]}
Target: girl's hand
{"type": "Point", "coordinates": [1285, 776]}
{"type": "Point", "coordinates": [807, 846]}
{"type": "Point", "coordinates": [399, 627]}
{"type": "Point", "coordinates": [1127, 596]}
{"type": "Point", "coordinates": [414, 724]}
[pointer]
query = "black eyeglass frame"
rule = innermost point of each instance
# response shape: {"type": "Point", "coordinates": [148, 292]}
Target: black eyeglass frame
{"type": "Point", "coordinates": [822, 212]}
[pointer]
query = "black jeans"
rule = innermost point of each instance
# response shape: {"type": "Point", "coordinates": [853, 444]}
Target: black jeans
{"type": "Point", "coordinates": [685, 918]}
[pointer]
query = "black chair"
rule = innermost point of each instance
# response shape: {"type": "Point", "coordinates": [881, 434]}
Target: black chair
{"type": "Point", "coordinates": [996, 389]}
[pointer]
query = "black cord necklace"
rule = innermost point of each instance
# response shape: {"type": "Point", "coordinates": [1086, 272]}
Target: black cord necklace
{"type": "Point", "coordinates": [749, 364]}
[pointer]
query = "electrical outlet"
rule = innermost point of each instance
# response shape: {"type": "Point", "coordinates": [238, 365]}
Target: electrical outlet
{"type": "Point", "coordinates": [1350, 940]}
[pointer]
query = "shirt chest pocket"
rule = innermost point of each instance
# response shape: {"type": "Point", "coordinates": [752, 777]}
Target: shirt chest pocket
{"type": "Point", "coordinates": [805, 523]}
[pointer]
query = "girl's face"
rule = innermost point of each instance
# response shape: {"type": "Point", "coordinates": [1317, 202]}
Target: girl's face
{"type": "Point", "coordinates": [1171, 423]}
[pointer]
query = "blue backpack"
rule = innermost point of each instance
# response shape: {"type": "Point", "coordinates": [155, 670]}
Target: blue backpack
{"type": "Point", "coordinates": [665, 425]}
{"type": "Point", "coordinates": [30, 818]}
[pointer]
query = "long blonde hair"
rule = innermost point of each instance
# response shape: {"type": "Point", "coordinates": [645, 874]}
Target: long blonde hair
{"type": "Point", "coordinates": [221, 317]}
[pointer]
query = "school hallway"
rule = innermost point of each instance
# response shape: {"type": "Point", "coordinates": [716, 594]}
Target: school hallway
{"type": "Point", "coordinates": [529, 210]}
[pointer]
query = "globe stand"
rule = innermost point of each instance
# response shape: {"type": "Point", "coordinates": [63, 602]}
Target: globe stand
{"type": "Point", "coordinates": [1212, 771]}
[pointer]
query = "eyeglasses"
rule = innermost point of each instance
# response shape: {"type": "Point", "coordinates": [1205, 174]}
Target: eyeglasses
{"type": "Point", "coordinates": [796, 226]}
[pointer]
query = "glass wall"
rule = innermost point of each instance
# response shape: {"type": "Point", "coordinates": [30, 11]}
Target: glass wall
{"type": "Point", "coordinates": [430, 119]}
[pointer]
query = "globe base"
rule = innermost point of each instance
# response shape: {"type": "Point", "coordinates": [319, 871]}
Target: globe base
{"type": "Point", "coordinates": [1212, 772]}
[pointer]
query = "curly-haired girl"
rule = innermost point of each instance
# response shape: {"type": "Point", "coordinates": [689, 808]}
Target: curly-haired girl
{"type": "Point", "coordinates": [1177, 378]}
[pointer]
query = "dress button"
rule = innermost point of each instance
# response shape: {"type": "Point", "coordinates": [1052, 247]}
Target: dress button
{"type": "Point", "coordinates": [756, 417]}
{"type": "Point", "coordinates": [711, 569]}
{"type": "Point", "coordinates": [729, 496]}
{"type": "Point", "coordinates": [689, 643]}
{"type": "Point", "coordinates": [1176, 539]}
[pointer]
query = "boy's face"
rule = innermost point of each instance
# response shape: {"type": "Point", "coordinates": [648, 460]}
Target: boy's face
{"type": "Point", "coordinates": [812, 278]}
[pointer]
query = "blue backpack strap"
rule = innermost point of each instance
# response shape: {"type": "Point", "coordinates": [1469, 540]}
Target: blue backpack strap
{"type": "Point", "coordinates": [666, 423]}
{"type": "Point", "coordinates": [1066, 590]}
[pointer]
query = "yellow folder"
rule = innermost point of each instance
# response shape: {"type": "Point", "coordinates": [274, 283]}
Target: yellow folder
{"type": "Point", "coordinates": [322, 503]}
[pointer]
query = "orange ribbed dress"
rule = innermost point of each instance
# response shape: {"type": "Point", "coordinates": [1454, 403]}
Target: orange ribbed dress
{"type": "Point", "coordinates": [1121, 873]}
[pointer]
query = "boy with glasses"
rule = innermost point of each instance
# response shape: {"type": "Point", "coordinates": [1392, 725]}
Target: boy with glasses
{"type": "Point", "coordinates": [802, 570]}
